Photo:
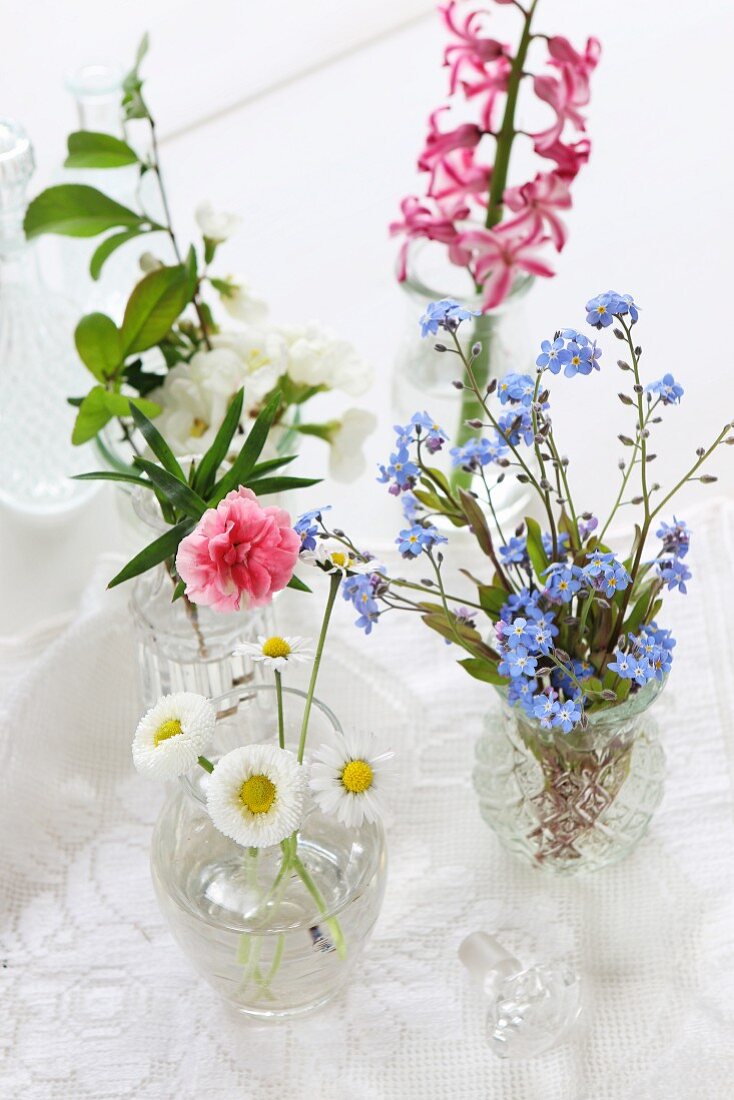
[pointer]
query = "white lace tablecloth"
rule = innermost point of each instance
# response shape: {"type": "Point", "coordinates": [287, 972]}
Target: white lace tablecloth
{"type": "Point", "coordinates": [98, 1002]}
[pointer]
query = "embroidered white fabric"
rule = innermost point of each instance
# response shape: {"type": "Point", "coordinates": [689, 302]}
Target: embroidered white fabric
{"type": "Point", "coordinates": [99, 1003]}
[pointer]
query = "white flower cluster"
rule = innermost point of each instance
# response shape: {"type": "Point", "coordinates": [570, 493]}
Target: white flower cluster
{"type": "Point", "coordinates": [257, 794]}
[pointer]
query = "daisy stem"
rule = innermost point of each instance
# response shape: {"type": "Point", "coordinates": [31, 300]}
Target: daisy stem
{"type": "Point", "coordinates": [333, 589]}
{"type": "Point", "coordinates": [331, 922]}
{"type": "Point", "coordinates": [279, 698]}
{"type": "Point", "coordinates": [206, 764]}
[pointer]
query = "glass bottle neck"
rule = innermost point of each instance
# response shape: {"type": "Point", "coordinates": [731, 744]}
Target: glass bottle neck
{"type": "Point", "coordinates": [97, 90]}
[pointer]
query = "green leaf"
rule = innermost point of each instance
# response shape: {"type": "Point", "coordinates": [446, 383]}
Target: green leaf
{"type": "Point", "coordinates": [439, 478]}
{"type": "Point", "coordinates": [176, 492]}
{"type": "Point", "coordinates": [477, 521]}
{"type": "Point", "coordinates": [264, 486]}
{"type": "Point", "coordinates": [536, 553]}
{"type": "Point", "coordinates": [97, 340]}
{"type": "Point", "coordinates": [144, 381]}
{"type": "Point", "coordinates": [132, 101]}
{"type": "Point", "coordinates": [153, 306]}
{"type": "Point", "coordinates": [76, 210]}
{"type": "Point", "coordinates": [244, 464]}
{"type": "Point", "coordinates": [483, 670]}
{"type": "Point", "coordinates": [165, 546]}
{"type": "Point", "coordinates": [320, 431]}
{"type": "Point", "coordinates": [110, 245]}
{"type": "Point", "coordinates": [94, 413]}
{"type": "Point", "coordinates": [157, 443]}
{"type": "Point", "coordinates": [298, 585]}
{"type": "Point", "coordinates": [90, 149]}
{"type": "Point", "coordinates": [492, 598]}
{"type": "Point", "coordinates": [215, 456]}
{"type": "Point", "coordinates": [263, 468]}
{"type": "Point", "coordinates": [113, 475]}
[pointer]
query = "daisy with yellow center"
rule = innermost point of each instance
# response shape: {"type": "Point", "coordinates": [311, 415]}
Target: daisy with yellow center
{"type": "Point", "coordinates": [255, 795]}
{"type": "Point", "coordinates": [333, 556]}
{"type": "Point", "coordinates": [173, 734]}
{"type": "Point", "coordinates": [348, 779]}
{"type": "Point", "coordinates": [277, 652]}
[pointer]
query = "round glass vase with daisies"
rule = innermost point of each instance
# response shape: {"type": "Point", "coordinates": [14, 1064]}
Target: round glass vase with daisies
{"type": "Point", "coordinates": [268, 857]}
{"type": "Point", "coordinates": [566, 629]}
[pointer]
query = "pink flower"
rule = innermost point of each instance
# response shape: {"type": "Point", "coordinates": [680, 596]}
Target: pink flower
{"type": "Point", "coordinates": [569, 159]}
{"type": "Point", "coordinates": [458, 176]}
{"type": "Point", "coordinates": [472, 49]}
{"type": "Point", "coordinates": [492, 83]}
{"type": "Point", "coordinates": [438, 144]}
{"type": "Point", "coordinates": [239, 554]}
{"type": "Point", "coordinates": [496, 258]}
{"type": "Point", "coordinates": [536, 203]}
{"type": "Point", "coordinates": [420, 220]}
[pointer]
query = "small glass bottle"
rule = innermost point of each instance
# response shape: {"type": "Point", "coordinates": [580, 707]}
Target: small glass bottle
{"type": "Point", "coordinates": [39, 368]}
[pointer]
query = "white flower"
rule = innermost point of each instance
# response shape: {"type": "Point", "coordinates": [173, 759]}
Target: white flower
{"type": "Point", "coordinates": [174, 733]}
{"type": "Point", "coordinates": [334, 557]}
{"type": "Point", "coordinates": [148, 262]}
{"type": "Point", "coordinates": [346, 459]}
{"type": "Point", "coordinates": [318, 357]}
{"type": "Point", "coordinates": [262, 353]}
{"type": "Point", "coordinates": [194, 399]}
{"type": "Point", "coordinates": [255, 795]}
{"type": "Point", "coordinates": [215, 225]}
{"type": "Point", "coordinates": [348, 779]}
{"type": "Point", "coordinates": [276, 652]}
{"type": "Point", "coordinates": [241, 303]}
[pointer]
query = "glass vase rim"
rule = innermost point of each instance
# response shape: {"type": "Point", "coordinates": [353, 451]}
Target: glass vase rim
{"type": "Point", "coordinates": [631, 707]}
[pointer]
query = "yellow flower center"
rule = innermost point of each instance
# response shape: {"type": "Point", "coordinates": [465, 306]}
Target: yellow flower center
{"type": "Point", "coordinates": [357, 776]}
{"type": "Point", "coordinates": [198, 427]}
{"type": "Point", "coordinates": [601, 309]}
{"type": "Point", "coordinates": [276, 647]}
{"type": "Point", "coordinates": [339, 558]}
{"type": "Point", "coordinates": [171, 728]}
{"type": "Point", "coordinates": [575, 360]}
{"type": "Point", "coordinates": [257, 794]}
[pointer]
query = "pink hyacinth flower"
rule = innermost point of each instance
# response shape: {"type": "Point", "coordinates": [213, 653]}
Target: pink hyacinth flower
{"type": "Point", "coordinates": [536, 204]}
{"type": "Point", "coordinates": [239, 555]}
{"type": "Point", "coordinates": [419, 220]}
{"type": "Point", "coordinates": [458, 176]}
{"type": "Point", "coordinates": [569, 159]}
{"type": "Point", "coordinates": [472, 49]}
{"type": "Point", "coordinates": [438, 144]}
{"type": "Point", "coordinates": [491, 83]}
{"type": "Point", "coordinates": [497, 257]}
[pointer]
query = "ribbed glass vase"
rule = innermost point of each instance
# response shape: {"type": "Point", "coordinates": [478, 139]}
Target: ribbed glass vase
{"type": "Point", "coordinates": [571, 802]}
{"type": "Point", "coordinates": [272, 945]}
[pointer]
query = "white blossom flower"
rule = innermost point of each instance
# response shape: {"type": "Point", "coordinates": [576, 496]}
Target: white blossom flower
{"type": "Point", "coordinates": [334, 557]}
{"type": "Point", "coordinates": [173, 734]}
{"type": "Point", "coordinates": [318, 357]}
{"type": "Point", "coordinates": [255, 795]}
{"type": "Point", "coordinates": [346, 458]}
{"type": "Point", "coordinates": [262, 353]}
{"type": "Point", "coordinates": [194, 399]}
{"type": "Point", "coordinates": [348, 779]}
{"type": "Point", "coordinates": [240, 302]}
{"type": "Point", "coordinates": [276, 652]}
{"type": "Point", "coordinates": [215, 225]}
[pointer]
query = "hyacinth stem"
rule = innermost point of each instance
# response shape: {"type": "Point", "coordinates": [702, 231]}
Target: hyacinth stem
{"type": "Point", "coordinates": [334, 581]}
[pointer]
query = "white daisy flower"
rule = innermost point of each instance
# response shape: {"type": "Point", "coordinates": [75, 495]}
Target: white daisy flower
{"type": "Point", "coordinates": [276, 652]}
{"type": "Point", "coordinates": [174, 733]}
{"type": "Point", "coordinates": [335, 557]}
{"type": "Point", "coordinates": [348, 779]}
{"type": "Point", "coordinates": [255, 795]}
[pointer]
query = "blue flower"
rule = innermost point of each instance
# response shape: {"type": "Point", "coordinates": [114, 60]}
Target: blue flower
{"type": "Point", "coordinates": [524, 600]}
{"type": "Point", "coordinates": [522, 691]}
{"type": "Point", "coordinates": [447, 313]}
{"type": "Point", "coordinates": [541, 637]}
{"type": "Point", "coordinates": [545, 708]}
{"type": "Point", "coordinates": [521, 663]}
{"type": "Point", "coordinates": [674, 573]}
{"type": "Point", "coordinates": [563, 582]}
{"type": "Point", "coordinates": [306, 526]}
{"type": "Point", "coordinates": [518, 389]}
{"type": "Point", "coordinates": [429, 431]}
{"type": "Point", "coordinates": [656, 647]}
{"type": "Point", "coordinates": [669, 391]}
{"type": "Point", "coordinates": [514, 634]}
{"type": "Point", "coordinates": [477, 453]}
{"type": "Point", "coordinates": [580, 361]}
{"type": "Point", "coordinates": [602, 310]}
{"type": "Point", "coordinates": [587, 527]}
{"type": "Point", "coordinates": [418, 538]}
{"type": "Point", "coordinates": [561, 539]}
{"type": "Point", "coordinates": [622, 664]}
{"type": "Point", "coordinates": [606, 573]}
{"type": "Point", "coordinates": [553, 356]}
{"type": "Point", "coordinates": [516, 426]}
{"type": "Point", "coordinates": [676, 537]}
{"type": "Point", "coordinates": [567, 715]}
{"type": "Point", "coordinates": [401, 470]}
{"type": "Point", "coordinates": [515, 552]}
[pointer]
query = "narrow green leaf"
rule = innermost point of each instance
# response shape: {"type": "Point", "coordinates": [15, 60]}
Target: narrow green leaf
{"type": "Point", "coordinates": [110, 245]}
{"type": "Point", "coordinates": [477, 521]}
{"type": "Point", "coordinates": [244, 464]}
{"type": "Point", "coordinates": [90, 149]}
{"type": "Point", "coordinates": [113, 475]}
{"type": "Point", "coordinates": [153, 306]}
{"type": "Point", "coordinates": [265, 486]}
{"type": "Point", "coordinates": [175, 491]}
{"type": "Point", "coordinates": [165, 546]}
{"type": "Point", "coordinates": [97, 340]}
{"type": "Point", "coordinates": [492, 598]}
{"type": "Point", "coordinates": [76, 210]}
{"type": "Point", "coordinates": [297, 584]}
{"type": "Point", "coordinates": [483, 670]}
{"type": "Point", "coordinates": [536, 553]}
{"type": "Point", "coordinates": [271, 464]}
{"type": "Point", "coordinates": [215, 456]}
{"type": "Point", "coordinates": [157, 444]}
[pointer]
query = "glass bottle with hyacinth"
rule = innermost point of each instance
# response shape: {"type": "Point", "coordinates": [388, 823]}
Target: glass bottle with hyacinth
{"type": "Point", "coordinates": [493, 233]}
{"type": "Point", "coordinates": [269, 865]}
{"type": "Point", "coordinates": [571, 637]}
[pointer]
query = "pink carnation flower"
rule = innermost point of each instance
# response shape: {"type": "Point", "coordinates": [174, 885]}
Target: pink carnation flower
{"type": "Point", "coordinates": [239, 554]}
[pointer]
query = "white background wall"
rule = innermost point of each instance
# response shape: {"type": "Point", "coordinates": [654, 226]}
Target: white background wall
{"type": "Point", "coordinates": [318, 163]}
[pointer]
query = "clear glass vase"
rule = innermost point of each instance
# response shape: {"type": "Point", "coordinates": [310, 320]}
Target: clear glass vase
{"type": "Point", "coordinates": [422, 377]}
{"type": "Point", "coordinates": [179, 645]}
{"type": "Point", "coordinates": [572, 802]}
{"type": "Point", "coordinates": [270, 944]}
